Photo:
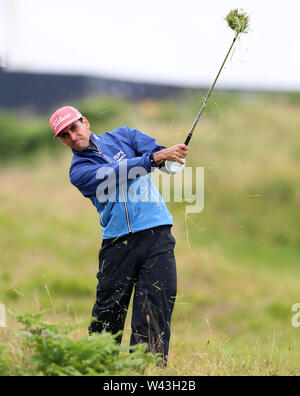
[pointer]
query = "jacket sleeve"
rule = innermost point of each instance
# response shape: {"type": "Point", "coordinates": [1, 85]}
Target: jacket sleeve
{"type": "Point", "coordinates": [88, 176]}
{"type": "Point", "coordinates": [143, 143]}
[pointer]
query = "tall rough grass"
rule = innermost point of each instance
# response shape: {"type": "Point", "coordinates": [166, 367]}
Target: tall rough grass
{"type": "Point", "coordinates": [238, 260]}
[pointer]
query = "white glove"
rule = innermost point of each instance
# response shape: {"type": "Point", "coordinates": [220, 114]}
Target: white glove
{"type": "Point", "coordinates": [173, 167]}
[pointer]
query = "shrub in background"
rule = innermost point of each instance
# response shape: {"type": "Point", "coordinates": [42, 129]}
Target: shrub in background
{"type": "Point", "coordinates": [45, 349]}
{"type": "Point", "coordinates": [24, 135]}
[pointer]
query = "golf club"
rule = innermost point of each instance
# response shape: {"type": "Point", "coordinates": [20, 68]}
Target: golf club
{"type": "Point", "coordinates": [238, 21]}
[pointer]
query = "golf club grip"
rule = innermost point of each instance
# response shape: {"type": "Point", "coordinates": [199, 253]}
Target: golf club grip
{"type": "Point", "coordinates": [187, 140]}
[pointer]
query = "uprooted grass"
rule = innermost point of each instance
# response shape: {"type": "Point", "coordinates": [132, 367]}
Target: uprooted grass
{"type": "Point", "coordinates": [238, 20]}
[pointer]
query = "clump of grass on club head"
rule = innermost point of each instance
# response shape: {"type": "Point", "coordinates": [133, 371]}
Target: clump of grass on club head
{"type": "Point", "coordinates": [238, 21]}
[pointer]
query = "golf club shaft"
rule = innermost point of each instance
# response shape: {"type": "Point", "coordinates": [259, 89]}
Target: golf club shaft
{"type": "Point", "coordinates": [208, 94]}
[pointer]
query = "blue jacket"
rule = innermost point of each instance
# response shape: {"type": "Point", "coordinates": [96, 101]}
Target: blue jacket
{"type": "Point", "coordinates": [118, 152]}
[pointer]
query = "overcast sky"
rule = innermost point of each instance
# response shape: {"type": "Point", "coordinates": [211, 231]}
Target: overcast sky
{"type": "Point", "coordinates": [180, 42]}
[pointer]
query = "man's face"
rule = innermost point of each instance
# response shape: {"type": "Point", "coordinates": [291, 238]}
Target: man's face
{"type": "Point", "coordinates": [76, 135]}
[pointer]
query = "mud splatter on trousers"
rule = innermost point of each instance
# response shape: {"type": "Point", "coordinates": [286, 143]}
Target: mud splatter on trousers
{"type": "Point", "coordinates": [143, 261]}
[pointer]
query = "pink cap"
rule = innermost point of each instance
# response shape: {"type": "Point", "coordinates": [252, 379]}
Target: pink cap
{"type": "Point", "coordinates": [62, 118]}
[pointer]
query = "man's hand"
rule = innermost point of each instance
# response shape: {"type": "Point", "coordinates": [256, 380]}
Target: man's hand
{"type": "Point", "coordinates": [174, 153]}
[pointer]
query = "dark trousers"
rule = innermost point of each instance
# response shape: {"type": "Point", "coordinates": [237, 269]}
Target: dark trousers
{"type": "Point", "coordinates": [144, 260]}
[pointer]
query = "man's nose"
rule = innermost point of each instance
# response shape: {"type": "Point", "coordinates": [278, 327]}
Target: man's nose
{"type": "Point", "coordinates": [72, 136]}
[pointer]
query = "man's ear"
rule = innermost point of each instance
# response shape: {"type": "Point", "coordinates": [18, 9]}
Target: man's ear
{"type": "Point", "coordinates": [86, 122]}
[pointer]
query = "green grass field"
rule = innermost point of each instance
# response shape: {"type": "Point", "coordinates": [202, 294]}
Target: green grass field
{"type": "Point", "coordinates": [238, 261]}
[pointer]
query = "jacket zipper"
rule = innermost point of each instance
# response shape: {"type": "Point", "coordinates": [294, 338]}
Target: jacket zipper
{"type": "Point", "coordinates": [126, 209]}
{"type": "Point", "coordinates": [122, 188]}
{"type": "Point", "coordinates": [101, 218]}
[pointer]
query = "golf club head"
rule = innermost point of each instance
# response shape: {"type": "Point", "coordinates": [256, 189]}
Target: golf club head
{"type": "Point", "coordinates": [174, 167]}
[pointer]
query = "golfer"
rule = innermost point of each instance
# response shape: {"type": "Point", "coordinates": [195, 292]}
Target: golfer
{"type": "Point", "coordinates": [112, 170]}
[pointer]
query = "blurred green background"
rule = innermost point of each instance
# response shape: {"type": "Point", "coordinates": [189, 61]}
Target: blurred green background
{"type": "Point", "coordinates": [238, 260]}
